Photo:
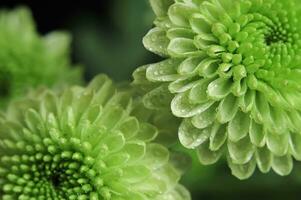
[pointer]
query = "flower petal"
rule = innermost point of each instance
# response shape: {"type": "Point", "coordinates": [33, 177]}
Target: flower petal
{"type": "Point", "coordinates": [206, 156]}
{"type": "Point", "coordinates": [156, 41]}
{"type": "Point", "coordinates": [282, 165]}
{"type": "Point", "coordinates": [219, 88]}
{"type": "Point", "coordinates": [190, 136]}
{"type": "Point", "coordinates": [164, 71]}
{"type": "Point", "coordinates": [242, 151]}
{"type": "Point", "coordinates": [242, 171]}
{"type": "Point", "coordinates": [257, 134]}
{"type": "Point", "coordinates": [227, 109]}
{"type": "Point", "coordinates": [238, 127]}
{"type": "Point", "coordinates": [277, 143]}
{"type": "Point", "coordinates": [181, 106]}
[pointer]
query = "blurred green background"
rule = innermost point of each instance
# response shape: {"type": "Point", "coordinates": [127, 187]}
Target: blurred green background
{"type": "Point", "coordinates": [107, 38]}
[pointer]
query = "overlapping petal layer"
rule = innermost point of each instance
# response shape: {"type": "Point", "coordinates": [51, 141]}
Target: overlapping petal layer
{"type": "Point", "coordinates": [233, 70]}
{"type": "Point", "coordinates": [83, 144]}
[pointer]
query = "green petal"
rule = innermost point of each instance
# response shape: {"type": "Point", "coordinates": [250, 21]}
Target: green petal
{"type": "Point", "coordinates": [295, 145]}
{"type": "Point", "coordinates": [218, 136]}
{"type": "Point", "coordinates": [117, 159]}
{"type": "Point", "coordinates": [135, 173]}
{"type": "Point", "coordinates": [282, 165]}
{"type": "Point", "coordinates": [163, 71]}
{"type": "Point", "coordinates": [246, 101]}
{"type": "Point", "coordinates": [264, 159]}
{"type": "Point", "coordinates": [198, 92]}
{"type": "Point", "coordinates": [257, 134]}
{"type": "Point", "coordinates": [179, 193]}
{"type": "Point", "coordinates": [261, 111]}
{"type": "Point", "coordinates": [277, 143]}
{"type": "Point", "coordinates": [190, 136]}
{"type": "Point", "coordinates": [208, 68]}
{"type": "Point", "coordinates": [158, 99]}
{"type": "Point", "coordinates": [156, 41]}
{"type": "Point", "coordinates": [130, 127]}
{"type": "Point", "coordinates": [179, 14]}
{"type": "Point", "coordinates": [204, 119]}
{"type": "Point", "coordinates": [112, 116]}
{"type": "Point", "coordinates": [219, 88]}
{"type": "Point", "coordinates": [180, 33]}
{"type": "Point", "coordinates": [238, 127]}
{"type": "Point", "coordinates": [114, 142]}
{"type": "Point", "coordinates": [206, 156]}
{"type": "Point", "coordinates": [227, 109]}
{"type": "Point", "coordinates": [181, 107]}
{"type": "Point", "coordinates": [136, 150]}
{"type": "Point", "coordinates": [147, 132]}
{"type": "Point", "coordinates": [241, 152]}
{"type": "Point", "coordinates": [156, 156]}
{"type": "Point", "coordinates": [200, 24]}
{"type": "Point", "coordinates": [189, 66]}
{"type": "Point", "coordinates": [279, 121]}
{"type": "Point", "coordinates": [181, 85]}
{"type": "Point", "coordinates": [182, 47]}
{"type": "Point", "coordinates": [243, 171]}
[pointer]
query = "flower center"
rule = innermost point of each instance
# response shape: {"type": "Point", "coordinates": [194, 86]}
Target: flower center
{"type": "Point", "coordinates": [276, 35]}
{"type": "Point", "coordinates": [64, 176]}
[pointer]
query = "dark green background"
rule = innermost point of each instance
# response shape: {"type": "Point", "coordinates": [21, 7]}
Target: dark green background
{"type": "Point", "coordinates": [107, 38]}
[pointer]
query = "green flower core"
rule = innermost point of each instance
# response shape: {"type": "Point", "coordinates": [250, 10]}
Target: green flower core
{"type": "Point", "coordinates": [233, 69]}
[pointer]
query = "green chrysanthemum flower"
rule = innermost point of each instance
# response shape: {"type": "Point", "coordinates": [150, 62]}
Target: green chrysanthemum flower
{"type": "Point", "coordinates": [83, 144]}
{"type": "Point", "coordinates": [233, 72]}
{"type": "Point", "coordinates": [28, 60]}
